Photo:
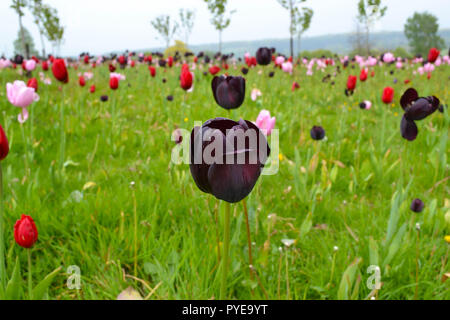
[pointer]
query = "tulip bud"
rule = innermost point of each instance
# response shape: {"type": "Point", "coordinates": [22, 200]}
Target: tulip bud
{"type": "Point", "coordinates": [25, 232]}
{"type": "Point", "coordinates": [4, 145]}
{"type": "Point", "coordinates": [229, 174]}
{"type": "Point", "coordinates": [317, 133]}
{"type": "Point", "coordinates": [417, 205]}
{"type": "Point", "coordinates": [60, 71]}
{"type": "Point", "coordinates": [32, 83]}
{"type": "Point", "coordinates": [264, 56]}
{"type": "Point", "coordinates": [229, 92]}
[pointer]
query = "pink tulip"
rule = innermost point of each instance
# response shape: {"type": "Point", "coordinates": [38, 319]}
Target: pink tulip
{"type": "Point", "coordinates": [21, 96]}
{"type": "Point", "coordinates": [388, 57]}
{"type": "Point", "coordinates": [429, 67]}
{"type": "Point", "coordinates": [265, 122]}
{"type": "Point", "coordinates": [368, 104]}
{"type": "Point", "coordinates": [255, 94]}
{"type": "Point", "coordinates": [421, 70]}
{"type": "Point", "coordinates": [399, 64]}
{"type": "Point", "coordinates": [287, 67]}
{"type": "Point", "coordinates": [30, 65]}
{"type": "Point", "coordinates": [117, 75]}
{"type": "Point", "coordinates": [279, 60]}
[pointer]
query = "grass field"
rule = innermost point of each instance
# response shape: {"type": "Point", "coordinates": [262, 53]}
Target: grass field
{"type": "Point", "coordinates": [345, 200]}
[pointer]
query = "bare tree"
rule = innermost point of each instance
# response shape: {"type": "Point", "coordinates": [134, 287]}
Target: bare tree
{"type": "Point", "coordinates": [302, 23]}
{"type": "Point", "coordinates": [219, 19]}
{"type": "Point", "coordinates": [357, 39]}
{"type": "Point", "coordinates": [18, 6]}
{"type": "Point", "coordinates": [187, 18]}
{"type": "Point", "coordinates": [165, 27]}
{"type": "Point", "coordinates": [370, 11]}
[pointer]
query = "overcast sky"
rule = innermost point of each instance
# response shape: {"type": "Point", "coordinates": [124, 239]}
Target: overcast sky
{"type": "Point", "coordinates": [100, 26]}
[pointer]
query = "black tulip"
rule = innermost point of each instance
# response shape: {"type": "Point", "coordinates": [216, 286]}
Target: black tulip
{"type": "Point", "coordinates": [317, 133]}
{"type": "Point", "coordinates": [264, 56]}
{"type": "Point", "coordinates": [244, 70]}
{"type": "Point", "coordinates": [169, 98]}
{"type": "Point", "coordinates": [417, 205]}
{"type": "Point", "coordinates": [104, 98]}
{"type": "Point", "coordinates": [416, 108]}
{"type": "Point", "coordinates": [230, 171]}
{"type": "Point", "coordinates": [271, 74]}
{"type": "Point", "coordinates": [162, 63]}
{"type": "Point", "coordinates": [164, 80]}
{"type": "Point", "coordinates": [18, 59]}
{"type": "Point", "coordinates": [229, 92]}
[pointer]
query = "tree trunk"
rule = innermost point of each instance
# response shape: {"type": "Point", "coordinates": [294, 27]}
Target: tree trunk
{"type": "Point", "coordinates": [298, 44]}
{"type": "Point", "coordinates": [42, 43]}
{"type": "Point", "coordinates": [367, 41]}
{"type": "Point", "coordinates": [220, 41]}
{"type": "Point", "coordinates": [292, 46]}
{"type": "Point", "coordinates": [22, 36]}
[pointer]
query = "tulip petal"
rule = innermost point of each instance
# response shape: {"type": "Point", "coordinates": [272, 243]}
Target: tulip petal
{"type": "Point", "coordinates": [232, 183]}
{"type": "Point", "coordinates": [22, 117]}
{"type": "Point", "coordinates": [408, 98]}
{"type": "Point", "coordinates": [408, 129]}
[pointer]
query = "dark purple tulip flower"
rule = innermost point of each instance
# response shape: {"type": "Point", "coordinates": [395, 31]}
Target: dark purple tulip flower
{"type": "Point", "coordinates": [417, 205]}
{"type": "Point", "coordinates": [104, 98]}
{"type": "Point", "coordinates": [317, 133]}
{"type": "Point", "coordinates": [415, 108]}
{"type": "Point", "coordinates": [229, 92]}
{"type": "Point", "coordinates": [244, 70]}
{"type": "Point", "coordinates": [227, 157]}
{"type": "Point", "coordinates": [169, 98]}
{"type": "Point", "coordinates": [264, 56]}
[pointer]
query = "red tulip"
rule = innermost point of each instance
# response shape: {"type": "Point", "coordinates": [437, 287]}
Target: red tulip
{"type": "Point", "coordinates": [112, 68]}
{"type": "Point", "coordinates": [407, 81]}
{"type": "Point", "coordinates": [186, 78]}
{"type": "Point", "coordinates": [351, 83]}
{"type": "Point", "coordinates": [195, 59]}
{"type": "Point", "coordinates": [122, 60]}
{"type": "Point", "coordinates": [295, 86]}
{"type": "Point", "coordinates": [82, 81]}
{"type": "Point", "coordinates": [132, 63]}
{"type": "Point", "coordinates": [214, 70]}
{"type": "Point", "coordinates": [433, 55]}
{"type": "Point", "coordinates": [25, 232]}
{"type": "Point", "coordinates": [152, 71]}
{"type": "Point", "coordinates": [92, 89]}
{"type": "Point", "coordinates": [44, 65]}
{"type": "Point", "coordinates": [372, 74]}
{"type": "Point", "coordinates": [114, 83]}
{"type": "Point", "coordinates": [86, 59]}
{"type": "Point", "coordinates": [60, 71]}
{"type": "Point", "coordinates": [94, 64]}
{"type": "Point", "coordinates": [32, 83]}
{"type": "Point", "coordinates": [363, 75]}
{"type": "Point", "coordinates": [170, 62]}
{"type": "Point", "coordinates": [388, 95]}
{"type": "Point", "coordinates": [4, 145]}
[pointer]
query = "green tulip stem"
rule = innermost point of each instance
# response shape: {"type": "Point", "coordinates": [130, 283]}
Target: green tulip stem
{"type": "Point", "coordinates": [30, 279]}
{"type": "Point", "coordinates": [226, 247]}
{"type": "Point", "coordinates": [249, 241]}
{"type": "Point", "coordinates": [62, 137]}
{"type": "Point", "coordinates": [2, 245]}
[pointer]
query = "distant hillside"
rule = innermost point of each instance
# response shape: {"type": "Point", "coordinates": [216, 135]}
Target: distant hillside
{"type": "Point", "coordinates": [338, 43]}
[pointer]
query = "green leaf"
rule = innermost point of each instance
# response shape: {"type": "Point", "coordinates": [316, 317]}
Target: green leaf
{"type": "Point", "coordinates": [373, 252]}
{"type": "Point", "coordinates": [306, 226]}
{"type": "Point", "coordinates": [395, 245]}
{"type": "Point", "coordinates": [393, 217]}
{"type": "Point", "coordinates": [347, 280]}
{"type": "Point", "coordinates": [13, 286]}
{"type": "Point", "coordinates": [39, 291]}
